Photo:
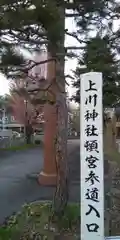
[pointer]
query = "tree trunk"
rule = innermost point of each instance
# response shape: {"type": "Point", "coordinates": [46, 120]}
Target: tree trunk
{"type": "Point", "coordinates": [61, 194]}
{"type": "Point", "coordinates": [110, 135]}
{"type": "Point", "coordinates": [28, 133]}
{"type": "Point", "coordinates": [28, 139]}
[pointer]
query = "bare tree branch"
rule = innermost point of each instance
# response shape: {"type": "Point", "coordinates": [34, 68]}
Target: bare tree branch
{"type": "Point", "coordinates": [74, 48]}
{"type": "Point", "coordinates": [74, 35]}
{"type": "Point", "coordinates": [70, 15]}
{"type": "Point", "coordinates": [69, 76]}
{"type": "Point", "coordinates": [28, 66]}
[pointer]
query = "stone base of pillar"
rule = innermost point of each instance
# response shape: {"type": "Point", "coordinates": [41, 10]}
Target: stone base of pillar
{"type": "Point", "coordinates": [47, 179]}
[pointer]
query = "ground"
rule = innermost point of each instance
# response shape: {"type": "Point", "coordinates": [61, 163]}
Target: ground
{"type": "Point", "coordinates": [17, 186]}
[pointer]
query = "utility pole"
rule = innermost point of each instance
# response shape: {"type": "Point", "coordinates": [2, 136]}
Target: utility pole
{"type": "Point", "coordinates": [26, 119]}
{"type": "Point", "coordinates": [3, 119]}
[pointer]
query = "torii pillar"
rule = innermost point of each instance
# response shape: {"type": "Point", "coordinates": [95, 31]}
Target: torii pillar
{"type": "Point", "coordinates": [49, 174]}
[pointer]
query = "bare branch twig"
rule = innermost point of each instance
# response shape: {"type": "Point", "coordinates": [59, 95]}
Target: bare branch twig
{"type": "Point", "coordinates": [74, 35]}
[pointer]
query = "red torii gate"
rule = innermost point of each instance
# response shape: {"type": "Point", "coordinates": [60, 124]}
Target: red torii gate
{"type": "Point", "coordinates": [48, 175]}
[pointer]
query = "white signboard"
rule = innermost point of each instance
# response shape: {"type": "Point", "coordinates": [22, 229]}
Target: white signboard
{"type": "Point", "coordinates": [91, 148]}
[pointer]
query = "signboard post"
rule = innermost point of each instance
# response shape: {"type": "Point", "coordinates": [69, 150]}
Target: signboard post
{"type": "Point", "coordinates": [91, 148]}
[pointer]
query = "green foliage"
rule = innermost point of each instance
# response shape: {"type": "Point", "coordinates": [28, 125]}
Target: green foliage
{"type": "Point", "coordinates": [29, 25]}
{"type": "Point", "coordinates": [98, 57]}
{"type": "Point", "coordinates": [92, 14]}
{"type": "Point", "coordinates": [35, 219]}
{"type": "Point", "coordinates": [10, 57]}
{"type": "Point", "coordinates": [99, 53]}
{"type": "Point", "coordinates": [5, 234]}
{"type": "Point", "coordinates": [70, 218]}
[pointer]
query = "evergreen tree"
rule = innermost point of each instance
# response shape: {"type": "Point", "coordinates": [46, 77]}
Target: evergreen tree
{"type": "Point", "coordinates": [99, 57]}
{"type": "Point", "coordinates": [32, 25]}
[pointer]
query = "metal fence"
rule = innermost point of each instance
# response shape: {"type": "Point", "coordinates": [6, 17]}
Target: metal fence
{"type": "Point", "coordinates": [7, 142]}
